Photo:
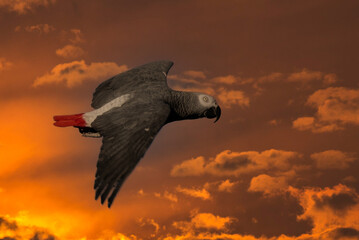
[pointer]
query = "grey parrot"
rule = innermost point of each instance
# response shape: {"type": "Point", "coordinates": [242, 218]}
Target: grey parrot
{"type": "Point", "coordinates": [129, 110]}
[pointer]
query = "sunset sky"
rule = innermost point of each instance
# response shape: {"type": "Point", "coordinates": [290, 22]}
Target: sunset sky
{"type": "Point", "coordinates": [281, 163]}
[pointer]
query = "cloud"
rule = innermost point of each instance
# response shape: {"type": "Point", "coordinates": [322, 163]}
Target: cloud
{"type": "Point", "coordinates": [11, 230]}
{"type": "Point", "coordinates": [310, 123]}
{"type": "Point", "coordinates": [182, 79]}
{"type": "Point", "coordinates": [230, 79]}
{"type": "Point", "coordinates": [196, 193]}
{"type": "Point", "coordinates": [341, 233]}
{"type": "Point", "coordinates": [77, 36]}
{"type": "Point", "coordinates": [272, 77]}
{"type": "Point", "coordinates": [231, 98]}
{"type": "Point", "coordinates": [23, 6]}
{"type": "Point", "coordinates": [4, 64]}
{"type": "Point", "coordinates": [336, 107]}
{"type": "Point", "coordinates": [167, 195]}
{"type": "Point", "coordinates": [192, 167]}
{"type": "Point", "coordinates": [332, 159]}
{"type": "Point", "coordinates": [329, 208]}
{"type": "Point", "coordinates": [149, 222]}
{"type": "Point", "coordinates": [305, 76]}
{"type": "Point", "coordinates": [268, 185]}
{"type": "Point", "coordinates": [273, 122]}
{"type": "Point", "coordinates": [109, 234]}
{"type": "Point", "coordinates": [332, 211]}
{"type": "Point", "coordinates": [221, 186]}
{"type": "Point", "coordinates": [74, 73]}
{"type": "Point", "coordinates": [208, 220]}
{"type": "Point", "coordinates": [70, 51]}
{"type": "Point", "coordinates": [229, 163]}
{"type": "Point", "coordinates": [217, 236]}
{"type": "Point", "coordinates": [39, 28]}
{"type": "Point", "coordinates": [204, 221]}
{"type": "Point", "coordinates": [195, 74]}
{"type": "Point", "coordinates": [330, 78]}
{"type": "Point", "coordinates": [226, 186]}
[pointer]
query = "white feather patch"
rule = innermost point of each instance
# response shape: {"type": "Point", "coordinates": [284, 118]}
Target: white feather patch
{"type": "Point", "coordinates": [89, 117]}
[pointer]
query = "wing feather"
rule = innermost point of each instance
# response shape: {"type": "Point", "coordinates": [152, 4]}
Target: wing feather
{"type": "Point", "coordinates": [144, 76]}
{"type": "Point", "coordinates": [126, 137]}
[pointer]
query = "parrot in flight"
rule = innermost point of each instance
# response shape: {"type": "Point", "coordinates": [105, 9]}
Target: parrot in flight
{"type": "Point", "coordinates": [129, 110]}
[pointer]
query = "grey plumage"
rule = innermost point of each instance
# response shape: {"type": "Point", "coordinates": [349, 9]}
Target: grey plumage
{"type": "Point", "coordinates": [129, 130]}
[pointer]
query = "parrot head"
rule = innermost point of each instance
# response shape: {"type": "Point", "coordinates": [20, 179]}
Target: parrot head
{"type": "Point", "coordinates": [209, 106]}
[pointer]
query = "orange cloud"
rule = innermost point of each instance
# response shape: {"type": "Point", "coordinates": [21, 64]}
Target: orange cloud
{"type": "Point", "coordinates": [336, 107]}
{"type": "Point", "coordinates": [111, 235]}
{"type": "Point", "coordinates": [149, 222]}
{"type": "Point", "coordinates": [4, 64]}
{"type": "Point", "coordinates": [167, 195]}
{"type": "Point", "coordinates": [196, 193]}
{"type": "Point", "coordinates": [231, 98]}
{"type": "Point", "coordinates": [74, 73]}
{"type": "Point", "coordinates": [77, 36]}
{"type": "Point", "coordinates": [310, 123]}
{"type": "Point", "coordinates": [192, 167]}
{"type": "Point", "coordinates": [229, 163]}
{"type": "Point", "coordinates": [10, 229]}
{"type": "Point", "coordinates": [305, 76]}
{"type": "Point", "coordinates": [268, 185]}
{"type": "Point", "coordinates": [205, 221]}
{"type": "Point", "coordinates": [333, 212]}
{"type": "Point", "coordinates": [272, 77]}
{"type": "Point", "coordinates": [230, 79]}
{"type": "Point", "coordinates": [208, 220]}
{"type": "Point", "coordinates": [330, 78]}
{"type": "Point", "coordinates": [39, 28]}
{"type": "Point", "coordinates": [329, 208]}
{"type": "Point", "coordinates": [332, 159]}
{"type": "Point", "coordinates": [195, 74]}
{"type": "Point", "coordinates": [23, 6]}
{"type": "Point", "coordinates": [216, 236]}
{"type": "Point", "coordinates": [226, 186]}
{"type": "Point", "coordinates": [70, 51]}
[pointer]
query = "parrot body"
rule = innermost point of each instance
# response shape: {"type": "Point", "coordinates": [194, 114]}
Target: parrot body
{"type": "Point", "coordinates": [129, 110]}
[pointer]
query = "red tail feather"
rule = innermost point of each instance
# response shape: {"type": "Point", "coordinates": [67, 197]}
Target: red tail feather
{"type": "Point", "coordinates": [75, 120]}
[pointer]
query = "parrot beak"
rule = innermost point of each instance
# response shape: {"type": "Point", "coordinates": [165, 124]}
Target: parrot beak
{"type": "Point", "coordinates": [213, 112]}
{"type": "Point", "coordinates": [218, 113]}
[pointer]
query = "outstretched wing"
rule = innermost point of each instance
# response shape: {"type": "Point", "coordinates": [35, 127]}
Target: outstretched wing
{"type": "Point", "coordinates": [127, 133]}
{"type": "Point", "coordinates": [145, 76]}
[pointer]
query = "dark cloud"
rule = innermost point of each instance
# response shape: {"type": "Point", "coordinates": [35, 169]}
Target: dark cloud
{"type": "Point", "coordinates": [15, 231]}
{"type": "Point", "coordinates": [42, 236]}
{"type": "Point", "coordinates": [339, 233]}
{"type": "Point", "coordinates": [337, 201]}
{"type": "Point", "coordinates": [8, 224]}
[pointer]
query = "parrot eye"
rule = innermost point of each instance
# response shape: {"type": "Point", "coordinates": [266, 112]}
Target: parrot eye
{"type": "Point", "coordinates": [205, 98]}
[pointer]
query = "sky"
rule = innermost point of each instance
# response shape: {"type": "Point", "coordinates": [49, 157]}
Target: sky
{"type": "Point", "coordinates": [280, 164]}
